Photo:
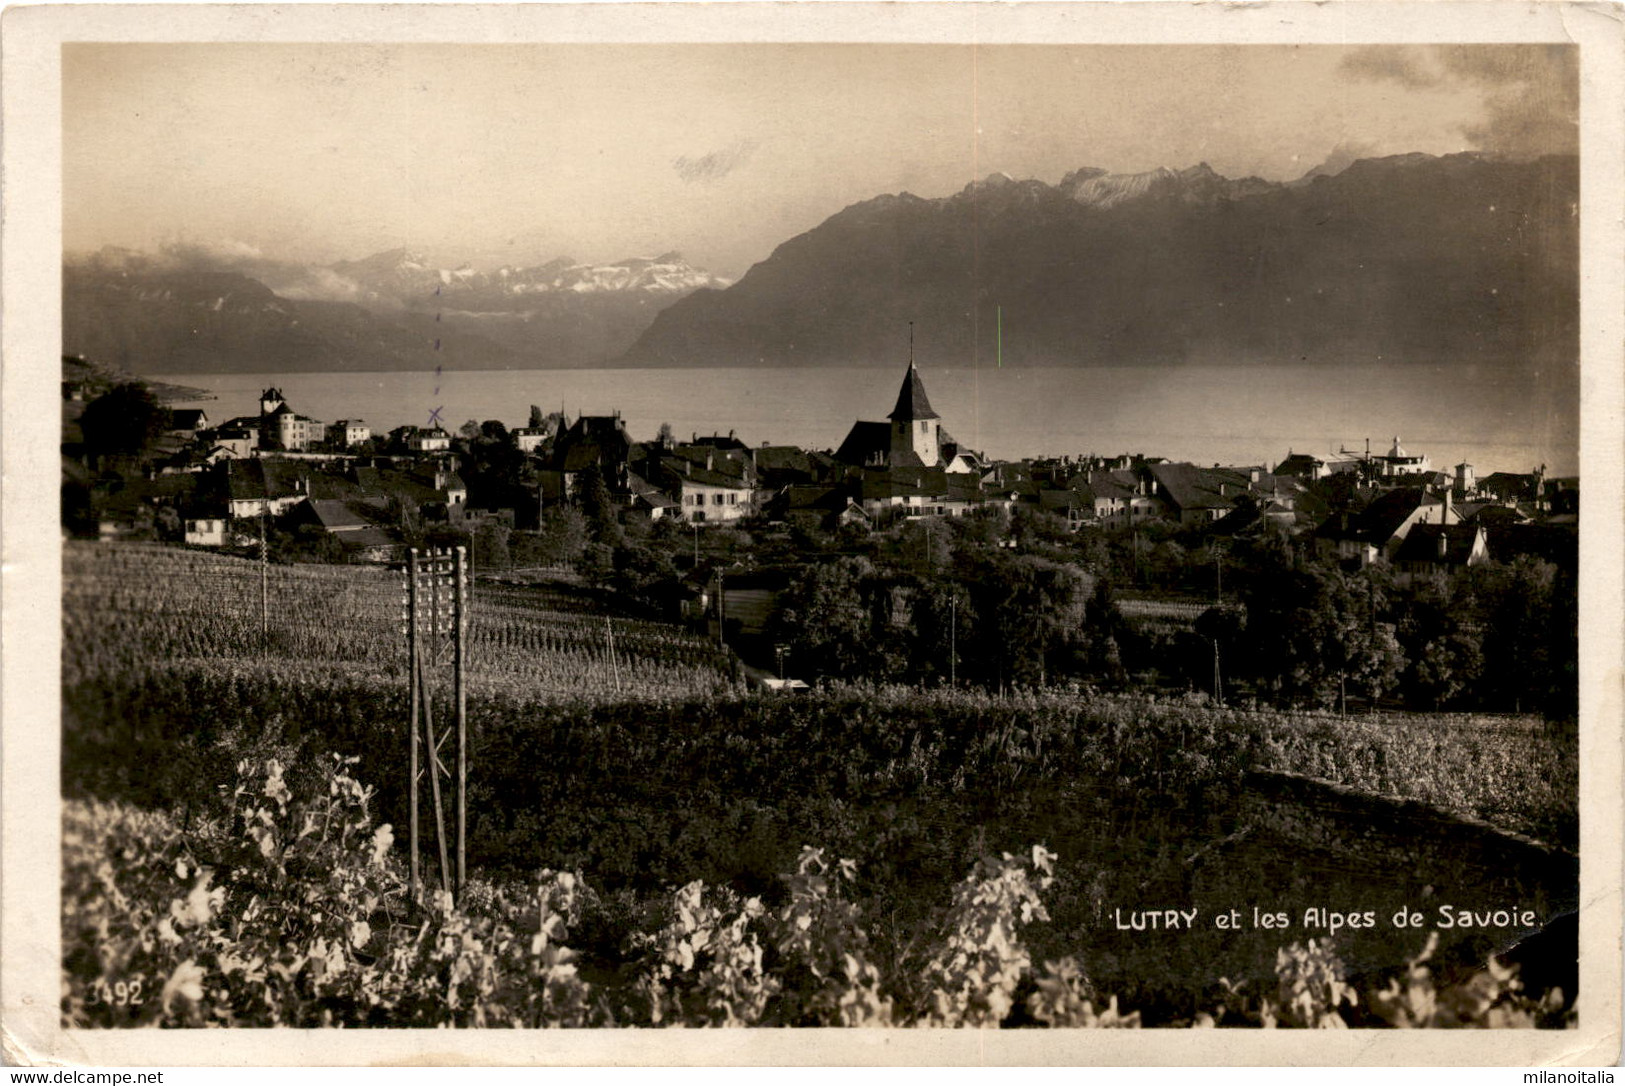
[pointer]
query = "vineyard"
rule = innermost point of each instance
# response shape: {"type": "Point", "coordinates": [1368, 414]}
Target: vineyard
{"type": "Point", "coordinates": [129, 607]}
{"type": "Point", "coordinates": [613, 748]}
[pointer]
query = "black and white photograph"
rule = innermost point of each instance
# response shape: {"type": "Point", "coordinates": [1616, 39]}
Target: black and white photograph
{"type": "Point", "coordinates": [955, 527]}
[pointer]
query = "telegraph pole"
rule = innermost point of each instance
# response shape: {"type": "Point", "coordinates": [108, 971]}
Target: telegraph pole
{"type": "Point", "coordinates": [265, 582]}
{"type": "Point", "coordinates": [461, 570]}
{"type": "Point", "coordinates": [412, 669]}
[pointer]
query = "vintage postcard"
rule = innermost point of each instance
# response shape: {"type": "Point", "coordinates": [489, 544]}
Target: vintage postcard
{"type": "Point", "coordinates": [1086, 531]}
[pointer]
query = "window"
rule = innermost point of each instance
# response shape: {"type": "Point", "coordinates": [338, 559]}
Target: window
{"type": "Point", "coordinates": [733, 499]}
{"type": "Point", "coordinates": [716, 499]}
{"type": "Point", "coordinates": [925, 427]}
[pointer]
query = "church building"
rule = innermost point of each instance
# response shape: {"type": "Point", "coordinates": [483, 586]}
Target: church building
{"type": "Point", "coordinates": [913, 438]}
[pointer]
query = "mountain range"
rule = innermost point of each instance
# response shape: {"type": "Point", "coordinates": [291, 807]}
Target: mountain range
{"type": "Point", "coordinates": [191, 310]}
{"type": "Point", "coordinates": [1410, 259]}
{"type": "Point", "coordinates": [1464, 258]}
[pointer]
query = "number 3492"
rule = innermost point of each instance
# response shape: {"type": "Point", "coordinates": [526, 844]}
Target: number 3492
{"type": "Point", "coordinates": [121, 993]}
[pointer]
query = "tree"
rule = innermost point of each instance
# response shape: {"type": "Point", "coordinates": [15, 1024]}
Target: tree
{"type": "Point", "coordinates": [123, 422]}
{"type": "Point", "coordinates": [469, 430]}
{"type": "Point", "coordinates": [593, 497]}
{"type": "Point", "coordinates": [825, 618]}
{"type": "Point", "coordinates": [405, 518]}
{"type": "Point", "coordinates": [924, 547]}
{"type": "Point", "coordinates": [563, 535]}
{"type": "Point", "coordinates": [665, 437]}
{"type": "Point", "coordinates": [490, 546]}
{"type": "Point", "coordinates": [536, 417]}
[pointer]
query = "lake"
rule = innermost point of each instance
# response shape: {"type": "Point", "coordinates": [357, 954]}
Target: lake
{"type": "Point", "coordinates": [1232, 414]}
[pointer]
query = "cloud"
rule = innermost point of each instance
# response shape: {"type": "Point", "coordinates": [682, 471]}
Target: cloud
{"type": "Point", "coordinates": [223, 253]}
{"type": "Point", "coordinates": [319, 285]}
{"type": "Point", "coordinates": [1531, 93]}
{"type": "Point", "coordinates": [715, 165]}
{"type": "Point", "coordinates": [1404, 64]}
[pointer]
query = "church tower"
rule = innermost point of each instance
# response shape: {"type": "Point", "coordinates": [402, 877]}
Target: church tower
{"type": "Point", "coordinates": [914, 426]}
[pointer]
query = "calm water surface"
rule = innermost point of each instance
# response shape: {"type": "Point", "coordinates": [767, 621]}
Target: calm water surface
{"type": "Point", "coordinates": [1201, 413]}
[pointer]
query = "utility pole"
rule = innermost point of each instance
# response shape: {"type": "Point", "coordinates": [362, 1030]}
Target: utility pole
{"type": "Point", "coordinates": [265, 582]}
{"type": "Point", "coordinates": [462, 573]}
{"type": "Point", "coordinates": [412, 672]}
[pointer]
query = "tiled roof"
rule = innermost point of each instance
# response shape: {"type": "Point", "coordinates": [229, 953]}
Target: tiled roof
{"type": "Point", "coordinates": [649, 493]}
{"type": "Point", "coordinates": [864, 442]}
{"type": "Point", "coordinates": [912, 405]}
{"type": "Point", "coordinates": [335, 515]}
{"type": "Point", "coordinates": [253, 479]}
{"type": "Point", "coordinates": [1378, 522]}
{"type": "Point", "coordinates": [1422, 544]}
{"type": "Point", "coordinates": [1190, 487]}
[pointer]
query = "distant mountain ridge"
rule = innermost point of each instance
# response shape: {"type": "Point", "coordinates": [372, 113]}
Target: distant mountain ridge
{"type": "Point", "coordinates": [190, 310]}
{"type": "Point", "coordinates": [1464, 258]}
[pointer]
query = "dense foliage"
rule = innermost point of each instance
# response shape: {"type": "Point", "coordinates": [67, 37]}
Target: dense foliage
{"type": "Point", "coordinates": [284, 905]}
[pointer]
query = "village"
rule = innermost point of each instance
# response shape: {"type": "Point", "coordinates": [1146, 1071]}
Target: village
{"type": "Point", "coordinates": [364, 497]}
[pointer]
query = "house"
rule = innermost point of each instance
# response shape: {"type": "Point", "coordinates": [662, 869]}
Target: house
{"type": "Point", "coordinates": [352, 525]}
{"type": "Point", "coordinates": [262, 487]}
{"type": "Point", "coordinates": [447, 484]}
{"type": "Point", "coordinates": [1196, 495]}
{"type": "Point", "coordinates": [204, 529]}
{"type": "Point", "coordinates": [346, 433]}
{"type": "Point", "coordinates": [431, 439]}
{"type": "Point", "coordinates": [186, 422]}
{"type": "Point", "coordinates": [716, 441]}
{"type": "Point", "coordinates": [649, 499]}
{"type": "Point", "coordinates": [289, 430]}
{"type": "Point", "coordinates": [889, 494]}
{"type": "Point", "coordinates": [1430, 549]}
{"type": "Point", "coordinates": [527, 439]}
{"type": "Point", "coordinates": [1375, 533]}
{"type": "Point", "coordinates": [1398, 462]}
{"type": "Point", "coordinates": [1510, 487]}
{"type": "Point", "coordinates": [595, 440]}
{"type": "Point", "coordinates": [709, 487]}
{"type": "Point", "coordinates": [829, 507]}
{"type": "Point", "coordinates": [1119, 498]}
{"type": "Point", "coordinates": [1303, 466]}
{"type": "Point", "coordinates": [232, 444]}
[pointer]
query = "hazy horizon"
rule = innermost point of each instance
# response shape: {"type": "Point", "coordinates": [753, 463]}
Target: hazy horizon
{"type": "Point", "coordinates": [520, 154]}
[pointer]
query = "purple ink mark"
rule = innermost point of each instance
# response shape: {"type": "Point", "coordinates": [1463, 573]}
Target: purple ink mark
{"type": "Point", "coordinates": [434, 416]}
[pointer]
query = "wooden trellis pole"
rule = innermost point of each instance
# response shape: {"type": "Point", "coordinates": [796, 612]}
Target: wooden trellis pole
{"type": "Point", "coordinates": [449, 570]}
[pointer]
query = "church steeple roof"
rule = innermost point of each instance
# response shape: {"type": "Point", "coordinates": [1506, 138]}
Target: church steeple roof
{"type": "Point", "coordinates": [912, 406]}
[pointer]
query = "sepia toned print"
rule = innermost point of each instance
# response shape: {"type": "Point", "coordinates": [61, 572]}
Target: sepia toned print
{"type": "Point", "coordinates": [1000, 534]}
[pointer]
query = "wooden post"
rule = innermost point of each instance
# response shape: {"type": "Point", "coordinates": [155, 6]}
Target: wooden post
{"type": "Point", "coordinates": [412, 655]}
{"type": "Point", "coordinates": [459, 633]}
{"type": "Point", "coordinates": [434, 789]}
{"type": "Point", "coordinates": [265, 585]}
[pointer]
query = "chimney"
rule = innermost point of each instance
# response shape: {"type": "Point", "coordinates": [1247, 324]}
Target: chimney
{"type": "Point", "coordinates": [1445, 513]}
{"type": "Point", "coordinates": [1252, 476]}
{"type": "Point", "coordinates": [1444, 543]}
{"type": "Point", "coordinates": [710, 458]}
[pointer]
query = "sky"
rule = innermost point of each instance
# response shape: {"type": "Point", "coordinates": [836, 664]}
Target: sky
{"type": "Point", "coordinates": [518, 154]}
